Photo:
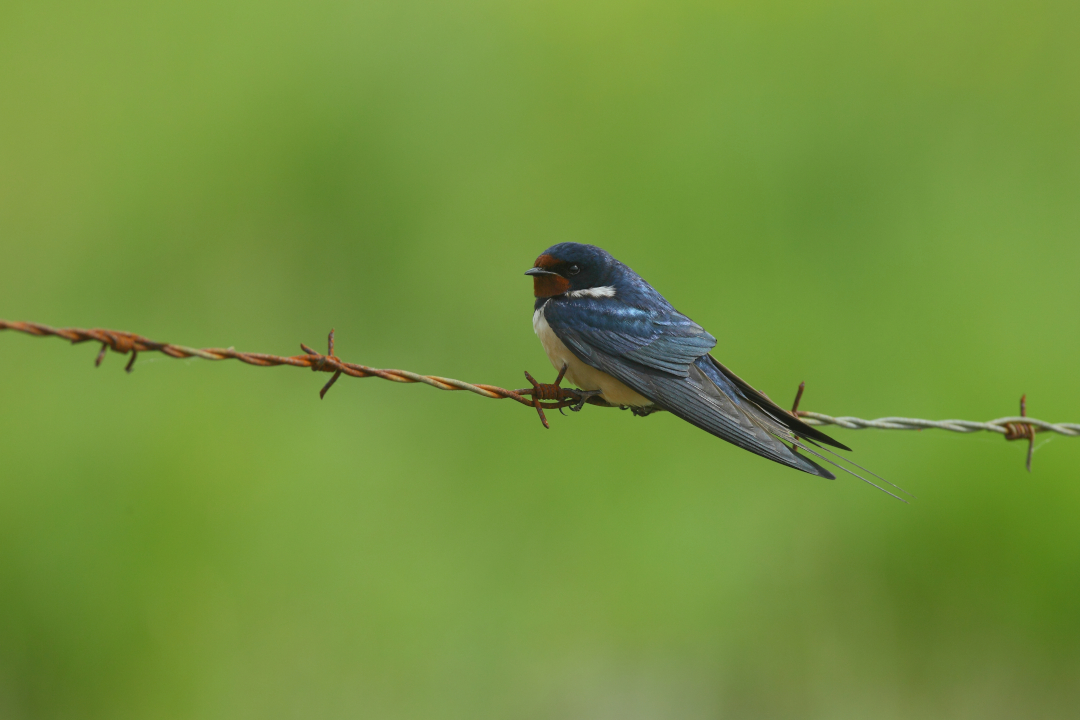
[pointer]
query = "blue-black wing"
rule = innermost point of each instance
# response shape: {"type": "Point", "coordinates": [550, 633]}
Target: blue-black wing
{"type": "Point", "coordinates": [660, 340]}
{"type": "Point", "coordinates": [664, 356]}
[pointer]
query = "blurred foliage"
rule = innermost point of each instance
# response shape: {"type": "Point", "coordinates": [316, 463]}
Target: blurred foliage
{"type": "Point", "coordinates": [880, 198]}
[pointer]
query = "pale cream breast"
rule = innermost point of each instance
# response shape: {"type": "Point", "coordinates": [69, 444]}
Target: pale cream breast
{"type": "Point", "coordinates": [581, 375]}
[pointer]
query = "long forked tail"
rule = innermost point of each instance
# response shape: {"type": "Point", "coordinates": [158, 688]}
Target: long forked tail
{"type": "Point", "coordinates": [804, 446]}
{"type": "Point", "coordinates": [706, 399]}
{"type": "Point", "coordinates": [774, 411]}
{"type": "Point", "coordinates": [808, 446]}
{"type": "Point", "coordinates": [786, 427]}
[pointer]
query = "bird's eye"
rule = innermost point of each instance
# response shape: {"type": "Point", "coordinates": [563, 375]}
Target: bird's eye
{"type": "Point", "coordinates": [573, 270]}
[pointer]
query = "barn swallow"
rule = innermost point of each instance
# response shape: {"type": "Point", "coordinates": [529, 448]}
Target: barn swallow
{"type": "Point", "coordinates": [616, 337]}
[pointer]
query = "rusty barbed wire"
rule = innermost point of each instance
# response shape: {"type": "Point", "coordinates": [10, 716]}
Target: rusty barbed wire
{"type": "Point", "coordinates": [541, 396]}
{"type": "Point", "coordinates": [123, 342]}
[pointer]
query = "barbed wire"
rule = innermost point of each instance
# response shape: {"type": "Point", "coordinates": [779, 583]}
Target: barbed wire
{"type": "Point", "coordinates": [541, 396]}
{"type": "Point", "coordinates": [1001, 425]}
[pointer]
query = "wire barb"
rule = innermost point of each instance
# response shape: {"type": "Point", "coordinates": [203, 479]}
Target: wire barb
{"type": "Point", "coordinates": [1022, 431]}
{"type": "Point", "coordinates": [562, 397]}
{"type": "Point", "coordinates": [795, 410]}
{"type": "Point", "coordinates": [542, 396]}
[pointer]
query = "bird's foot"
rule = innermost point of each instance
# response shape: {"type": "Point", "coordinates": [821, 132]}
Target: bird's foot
{"type": "Point", "coordinates": [562, 397]}
{"type": "Point", "coordinates": [643, 411]}
{"type": "Point", "coordinates": [583, 397]}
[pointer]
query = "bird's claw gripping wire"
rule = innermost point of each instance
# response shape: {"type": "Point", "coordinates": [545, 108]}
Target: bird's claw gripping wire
{"type": "Point", "coordinates": [562, 397]}
{"type": "Point", "coordinates": [584, 395]}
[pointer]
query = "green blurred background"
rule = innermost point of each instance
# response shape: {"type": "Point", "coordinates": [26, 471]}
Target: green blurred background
{"type": "Point", "coordinates": [880, 198]}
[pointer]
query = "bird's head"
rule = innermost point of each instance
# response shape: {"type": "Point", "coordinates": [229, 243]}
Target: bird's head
{"type": "Point", "coordinates": [582, 270]}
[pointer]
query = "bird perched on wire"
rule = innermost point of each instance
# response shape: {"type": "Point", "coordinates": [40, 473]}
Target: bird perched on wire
{"type": "Point", "coordinates": [618, 338]}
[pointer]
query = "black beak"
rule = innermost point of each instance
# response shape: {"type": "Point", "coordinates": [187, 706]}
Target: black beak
{"type": "Point", "coordinates": [539, 271]}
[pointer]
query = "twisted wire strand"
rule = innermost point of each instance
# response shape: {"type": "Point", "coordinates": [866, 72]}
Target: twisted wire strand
{"type": "Point", "coordinates": [999, 425]}
{"type": "Point", "coordinates": [125, 342]}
